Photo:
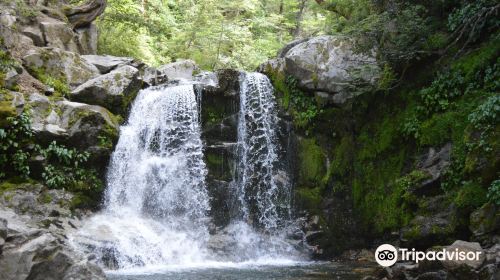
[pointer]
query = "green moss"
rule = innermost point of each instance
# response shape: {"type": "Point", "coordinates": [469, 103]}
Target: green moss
{"type": "Point", "coordinates": [378, 199]}
{"type": "Point", "coordinates": [6, 111]}
{"type": "Point", "coordinates": [58, 83]}
{"type": "Point", "coordinates": [479, 58]}
{"type": "Point", "coordinates": [278, 80]}
{"type": "Point", "coordinates": [471, 196]}
{"type": "Point", "coordinates": [14, 183]}
{"type": "Point", "coordinates": [107, 137]}
{"type": "Point", "coordinates": [45, 198]}
{"type": "Point", "coordinates": [309, 198]}
{"type": "Point", "coordinates": [128, 99]}
{"type": "Point", "coordinates": [312, 162]}
{"type": "Point", "coordinates": [438, 129]}
{"type": "Point", "coordinates": [81, 200]}
{"type": "Point", "coordinates": [213, 115]}
{"type": "Point", "coordinates": [378, 137]}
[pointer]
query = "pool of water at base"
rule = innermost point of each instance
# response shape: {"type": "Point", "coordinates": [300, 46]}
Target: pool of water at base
{"type": "Point", "coordinates": [302, 271]}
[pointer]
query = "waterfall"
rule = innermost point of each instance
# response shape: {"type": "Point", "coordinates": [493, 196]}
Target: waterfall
{"type": "Point", "coordinates": [262, 187]}
{"type": "Point", "coordinates": [156, 203]}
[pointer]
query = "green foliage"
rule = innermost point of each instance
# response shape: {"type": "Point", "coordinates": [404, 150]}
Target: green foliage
{"type": "Point", "coordinates": [494, 192]}
{"type": "Point", "coordinates": [487, 115]}
{"type": "Point", "coordinates": [63, 167]}
{"type": "Point", "coordinates": [470, 196]}
{"type": "Point", "coordinates": [14, 139]}
{"type": "Point", "coordinates": [59, 84]}
{"type": "Point", "coordinates": [216, 34]}
{"type": "Point", "coordinates": [471, 19]}
{"type": "Point", "coordinates": [304, 108]}
{"type": "Point", "coordinates": [443, 91]}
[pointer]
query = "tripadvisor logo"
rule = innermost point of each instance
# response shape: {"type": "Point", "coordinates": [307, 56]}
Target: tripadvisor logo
{"type": "Point", "coordinates": [388, 255]}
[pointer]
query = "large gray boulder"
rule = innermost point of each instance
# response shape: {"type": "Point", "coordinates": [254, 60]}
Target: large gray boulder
{"type": "Point", "coordinates": [66, 66]}
{"type": "Point", "coordinates": [466, 247]}
{"type": "Point", "coordinates": [33, 237]}
{"type": "Point", "coordinates": [106, 63]}
{"type": "Point", "coordinates": [86, 127]}
{"type": "Point", "coordinates": [114, 90]}
{"type": "Point", "coordinates": [58, 34]}
{"type": "Point", "coordinates": [329, 66]}
{"type": "Point", "coordinates": [173, 72]}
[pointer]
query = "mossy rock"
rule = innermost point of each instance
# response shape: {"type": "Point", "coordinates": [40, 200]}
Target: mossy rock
{"type": "Point", "coordinates": [311, 162]}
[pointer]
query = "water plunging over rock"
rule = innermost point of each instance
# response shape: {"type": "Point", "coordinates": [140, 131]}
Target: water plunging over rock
{"type": "Point", "coordinates": [262, 184]}
{"type": "Point", "coordinates": [157, 205]}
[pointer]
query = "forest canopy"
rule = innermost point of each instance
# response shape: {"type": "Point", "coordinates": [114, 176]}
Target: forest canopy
{"type": "Point", "coordinates": [244, 33]}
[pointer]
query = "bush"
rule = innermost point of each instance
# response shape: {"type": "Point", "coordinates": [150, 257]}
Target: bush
{"type": "Point", "coordinates": [494, 192]}
{"type": "Point", "coordinates": [64, 167]}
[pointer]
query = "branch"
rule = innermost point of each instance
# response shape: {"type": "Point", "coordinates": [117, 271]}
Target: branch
{"type": "Point", "coordinates": [85, 14]}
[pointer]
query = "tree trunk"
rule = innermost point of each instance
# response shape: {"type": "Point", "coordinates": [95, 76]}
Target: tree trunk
{"type": "Point", "coordinates": [298, 18]}
{"type": "Point", "coordinates": [85, 14]}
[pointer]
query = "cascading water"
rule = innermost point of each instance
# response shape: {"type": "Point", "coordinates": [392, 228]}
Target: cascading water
{"type": "Point", "coordinates": [157, 205]}
{"type": "Point", "coordinates": [156, 202]}
{"type": "Point", "coordinates": [262, 187]}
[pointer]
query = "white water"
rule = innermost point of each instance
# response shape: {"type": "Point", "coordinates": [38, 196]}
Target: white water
{"type": "Point", "coordinates": [156, 201]}
{"type": "Point", "coordinates": [262, 184]}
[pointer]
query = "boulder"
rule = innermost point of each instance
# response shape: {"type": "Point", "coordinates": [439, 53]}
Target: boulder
{"type": "Point", "coordinates": [485, 220]}
{"type": "Point", "coordinates": [33, 252]}
{"type": "Point", "coordinates": [434, 162]}
{"type": "Point", "coordinates": [86, 38]}
{"type": "Point", "coordinates": [34, 32]}
{"type": "Point", "coordinates": [107, 63]}
{"type": "Point", "coordinates": [115, 90]}
{"type": "Point", "coordinates": [464, 246]}
{"type": "Point", "coordinates": [58, 64]}
{"type": "Point", "coordinates": [184, 69]}
{"type": "Point", "coordinates": [432, 225]}
{"type": "Point", "coordinates": [328, 64]}
{"type": "Point", "coordinates": [58, 34]}
{"type": "Point", "coordinates": [86, 127]}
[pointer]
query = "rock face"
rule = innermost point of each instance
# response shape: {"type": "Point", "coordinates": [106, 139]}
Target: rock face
{"type": "Point", "coordinates": [106, 63]}
{"type": "Point", "coordinates": [86, 127]}
{"type": "Point", "coordinates": [465, 247]}
{"type": "Point", "coordinates": [114, 90]}
{"type": "Point", "coordinates": [327, 66]}
{"type": "Point", "coordinates": [34, 222]}
{"type": "Point", "coordinates": [59, 64]}
{"type": "Point", "coordinates": [485, 223]}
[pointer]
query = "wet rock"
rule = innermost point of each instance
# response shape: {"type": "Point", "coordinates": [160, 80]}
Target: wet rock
{"type": "Point", "coordinates": [489, 272]}
{"type": "Point", "coordinates": [472, 248]}
{"type": "Point", "coordinates": [31, 252]}
{"type": "Point", "coordinates": [493, 254]}
{"type": "Point", "coordinates": [114, 91]}
{"type": "Point", "coordinates": [66, 66]}
{"type": "Point", "coordinates": [107, 63]}
{"type": "Point", "coordinates": [433, 224]}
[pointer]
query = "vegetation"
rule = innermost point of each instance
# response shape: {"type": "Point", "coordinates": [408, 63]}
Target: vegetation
{"type": "Point", "coordinates": [216, 34]}
{"type": "Point", "coordinates": [62, 167]}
